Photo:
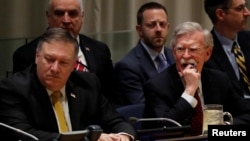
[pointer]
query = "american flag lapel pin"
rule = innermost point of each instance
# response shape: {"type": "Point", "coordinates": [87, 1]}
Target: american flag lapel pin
{"type": "Point", "coordinates": [87, 49]}
{"type": "Point", "coordinates": [73, 95]}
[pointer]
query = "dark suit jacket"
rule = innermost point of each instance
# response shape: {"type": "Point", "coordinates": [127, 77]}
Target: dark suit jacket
{"type": "Point", "coordinates": [163, 97]}
{"type": "Point", "coordinates": [25, 104]}
{"type": "Point", "coordinates": [97, 55]}
{"type": "Point", "coordinates": [132, 71]}
{"type": "Point", "coordinates": [220, 61]}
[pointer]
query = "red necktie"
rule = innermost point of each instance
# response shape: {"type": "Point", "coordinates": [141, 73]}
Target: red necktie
{"type": "Point", "coordinates": [197, 118]}
{"type": "Point", "coordinates": [79, 66]}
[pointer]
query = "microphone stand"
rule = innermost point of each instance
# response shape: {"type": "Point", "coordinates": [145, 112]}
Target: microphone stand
{"type": "Point", "coordinates": [19, 131]}
{"type": "Point", "coordinates": [134, 120]}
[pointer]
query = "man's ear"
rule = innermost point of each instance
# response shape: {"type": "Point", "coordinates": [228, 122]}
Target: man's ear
{"type": "Point", "coordinates": [209, 53]}
{"type": "Point", "coordinates": [36, 57]}
{"type": "Point", "coordinates": [220, 14]}
{"type": "Point", "coordinates": [139, 30]}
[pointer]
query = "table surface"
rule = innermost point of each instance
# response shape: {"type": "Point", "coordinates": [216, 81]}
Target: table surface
{"type": "Point", "coordinates": [193, 138]}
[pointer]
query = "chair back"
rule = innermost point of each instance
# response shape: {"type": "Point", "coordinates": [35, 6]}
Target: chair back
{"type": "Point", "coordinates": [135, 110]}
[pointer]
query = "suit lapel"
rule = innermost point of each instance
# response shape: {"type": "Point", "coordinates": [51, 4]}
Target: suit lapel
{"type": "Point", "coordinates": [244, 42]}
{"type": "Point", "coordinates": [169, 56]}
{"type": "Point", "coordinates": [43, 109]}
{"type": "Point", "coordinates": [74, 105]}
{"type": "Point", "coordinates": [176, 81]}
{"type": "Point", "coordinates": [87, 48]}
{"type": "Point", "coordinates": [221, 59]}
{"type": "Point", "coordinates": [145, 59]}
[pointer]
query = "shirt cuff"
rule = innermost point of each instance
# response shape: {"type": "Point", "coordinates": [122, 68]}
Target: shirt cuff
{"type": "Point", "coordinates": [190, 99]}
{"type": "Point", "coordinates": [131, 137]}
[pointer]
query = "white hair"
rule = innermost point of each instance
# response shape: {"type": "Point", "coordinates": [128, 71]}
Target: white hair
{"type": "Point", "coordinates": [80, 2]}
{"type": "Point", "coordinates": [190, 27]}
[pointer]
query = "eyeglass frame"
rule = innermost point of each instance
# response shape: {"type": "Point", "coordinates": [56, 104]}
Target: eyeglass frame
{"type": "Point", "coordinates": [192, 50]}
{"type": "Point", "coordinates": [239, 8]}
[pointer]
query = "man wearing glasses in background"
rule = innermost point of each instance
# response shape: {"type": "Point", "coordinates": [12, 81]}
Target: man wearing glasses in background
{"type": "Point", "coordinates": [229, 18]}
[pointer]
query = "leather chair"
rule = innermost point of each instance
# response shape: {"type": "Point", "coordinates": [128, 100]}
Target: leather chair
{"type": "Point", "coordinates": [135, 110]}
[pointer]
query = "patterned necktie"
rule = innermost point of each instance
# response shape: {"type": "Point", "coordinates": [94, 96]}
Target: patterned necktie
{"type": "Point", "coordinates": [242, 67]}
{"type": "Point", "coordinates": [79, 66]}
{"type": "Point", "coordinates": [197, 119]}
{"type": "Point", "coordinates": [161, 62]}
{"type": "Point", "coordinates": [59, 111]}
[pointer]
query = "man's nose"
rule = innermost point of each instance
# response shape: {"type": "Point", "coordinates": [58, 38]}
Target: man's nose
{"type": "Point", "coordinates": [246, 11]}
{"type": "Point", "coordinates": [55, 66]}
{"type": "Point", "coordinates": [158, 27]}
{"type": "Point", "coordinates": [66, 17]}
{"type": "Point", "coordinates": [186, 53]}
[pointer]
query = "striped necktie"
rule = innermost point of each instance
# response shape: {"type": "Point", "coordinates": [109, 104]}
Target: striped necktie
{"type": "Point", "coordinates": [59, 111]}
{"type": "Point", "coordinates": [242, 66]}
{"type": "Point", "coordinates": [79, 66]}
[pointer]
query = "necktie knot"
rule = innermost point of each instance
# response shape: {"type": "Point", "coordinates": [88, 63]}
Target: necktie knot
{"type": "Point", "coordinates": [235, 48]}
{"type": "Point", "coordinates": [56, 96]}
{"type": "Point", "coordinates": [240, 60]}
{"type": "Point", "coordinates": [161, 62]}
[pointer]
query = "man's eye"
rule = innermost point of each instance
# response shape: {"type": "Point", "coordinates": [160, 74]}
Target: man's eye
{"type": "Point", "coordinates": [49, 60]}
{"type": "Point", "coordinates": [151, 25]}
{"type": "Point", "coordinates": [179, 48]}
{"type": "Point", "coordinates": [163, 24]}
{"type": "Point", "coordinates": [193, 49]}
{"type": "Point", "coordinates": [59, 13]}
{"type": "Point", "coordinates": [240, 8]}
{"type": "Point", "coordinates": [63, 63]}
{"type": "Point", "coordinates": [73, 14]}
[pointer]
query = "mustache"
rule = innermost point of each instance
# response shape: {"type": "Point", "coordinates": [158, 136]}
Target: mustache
{"type": "Point", "coordinates": [188, 62]}
{"type": "Point", "coordinates": [53, 76]}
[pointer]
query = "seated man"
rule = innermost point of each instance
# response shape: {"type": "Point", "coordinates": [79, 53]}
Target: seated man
{"type": "Point", "coordinates": [147, 58]}
{"type": "Point", "coordinates": [229, 18]}
{"type": "Point", "coordinates": [177, 92]}
{"type": "Point", "coordinates": [28, 98]}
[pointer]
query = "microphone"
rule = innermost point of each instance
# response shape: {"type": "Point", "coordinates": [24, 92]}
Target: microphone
{"type": "Point", "coordinates": [91, 133]}
{"type": "Point", "coordinates": [19, 131]}
{"type": "Point", "coordinates": [135, 119]}
{"type": "Point", "coordinates": [94, 132]}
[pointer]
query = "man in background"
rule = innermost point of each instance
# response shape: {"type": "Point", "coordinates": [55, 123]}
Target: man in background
{"type": "Point", "coordinates": [149, 57]}
{"type": "Point", "coordinates": [229, 18]}
{"type": "Point", "coordinates": [94, 56]}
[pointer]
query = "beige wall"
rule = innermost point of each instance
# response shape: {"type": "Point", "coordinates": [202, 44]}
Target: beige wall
{"type": "Point", "coordinates": [111, 21]}
{"type": "Point", "coordinates": [26, 18]}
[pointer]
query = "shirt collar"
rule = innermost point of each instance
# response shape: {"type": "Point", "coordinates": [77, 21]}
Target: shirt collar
{"type": "Point", "coordinates": [62, 90]}
{"type": "Point", "coordinates": [226, 43]}
{"type": "Point", "coordinates": [153, 54]}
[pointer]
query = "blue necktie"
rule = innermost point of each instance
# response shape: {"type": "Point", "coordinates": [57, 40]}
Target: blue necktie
{"type": "Point", "coordinates": [161, 63]}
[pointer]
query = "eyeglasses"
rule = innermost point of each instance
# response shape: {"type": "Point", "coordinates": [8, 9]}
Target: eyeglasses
{"type": "Point", "coordinates": [182, 50]}
{"type": "Point", "coordinates": [239, 8]}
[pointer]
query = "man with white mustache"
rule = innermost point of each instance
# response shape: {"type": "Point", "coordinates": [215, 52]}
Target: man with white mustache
{"type": "Point", "coordinates": [171, 93]}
